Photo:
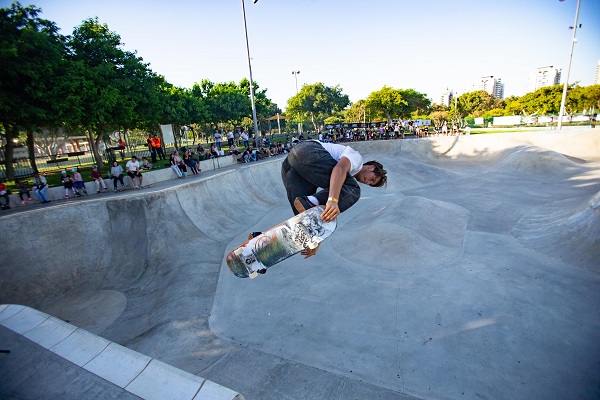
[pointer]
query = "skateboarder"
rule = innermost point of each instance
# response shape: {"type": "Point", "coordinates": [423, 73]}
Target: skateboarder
{"type": "Point", "coordinates": [334, 168]}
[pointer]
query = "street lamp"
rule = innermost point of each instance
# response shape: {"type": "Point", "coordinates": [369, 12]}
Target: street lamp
{"type": "Point", "coordinates": [564, 94]}
{"type": "Point", "coordinates": [295, 73]}
{"type": "Point", "coordinates": [256, 139]}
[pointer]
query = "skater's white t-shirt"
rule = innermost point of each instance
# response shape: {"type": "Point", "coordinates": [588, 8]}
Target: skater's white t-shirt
{"type": "Point", "coordinates": [338, 151]}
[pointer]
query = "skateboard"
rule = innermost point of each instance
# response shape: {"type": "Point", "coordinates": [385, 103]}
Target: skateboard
{"type": "Point", "coordinates": [305, 230]}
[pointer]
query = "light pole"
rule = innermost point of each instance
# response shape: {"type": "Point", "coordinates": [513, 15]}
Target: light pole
{"type": "Point", "coordinates": [295, 73]}
{"type": "Point", "coordinates": [256, 139]}
{"type": "Point", "coordinates": [564, 94]}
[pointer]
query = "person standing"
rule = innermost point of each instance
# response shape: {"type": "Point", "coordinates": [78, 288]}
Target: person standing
{"type": "Point", "coordinates": [244, 137]}
{"type": "Point", "coordinates": [229, 138]}
{"type": "Point", "coordinates": [133, 170]}
{"type": "Point", "coordinates": [150, 143]}
{"type": "Point", "coordinates": [218, 139]}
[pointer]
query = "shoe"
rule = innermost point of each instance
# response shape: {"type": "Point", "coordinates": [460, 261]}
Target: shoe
{"type": "Point", "coordinates": [139, 188]}
{"type": "Point", "coordinates": [29, 199]}
{"type": "Point", "coordinates": [105, 190]}
{"type": "Point", "coordinates": [67, 196]}
{"type": "Point", "coordinates": [114, 190]}
{"type": "Point", "coordinates": [302, 204]}
{"type": "Point", "coordinates": [97, 192]}
{"type": "Point", "coordinates": [23, 201]}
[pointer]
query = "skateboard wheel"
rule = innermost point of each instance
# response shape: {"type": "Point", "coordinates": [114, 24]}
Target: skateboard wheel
{"type": "Point", "coordinates": [311, 245]}
{"type": "Point", "coordinates": [253, 275]}
{"type": "Point", "coordinates": [238, 252]}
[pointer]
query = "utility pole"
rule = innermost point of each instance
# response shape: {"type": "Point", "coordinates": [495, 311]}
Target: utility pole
{"type": "Point", "coordinates": [256, 138]}
{"type": "Point", "coordinates": [564, 94]}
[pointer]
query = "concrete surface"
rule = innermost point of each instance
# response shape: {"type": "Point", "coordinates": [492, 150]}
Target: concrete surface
{"type": "Point", "coordinates": [95, 367]}
{"type": "Point", "coordinates": [473, 275]}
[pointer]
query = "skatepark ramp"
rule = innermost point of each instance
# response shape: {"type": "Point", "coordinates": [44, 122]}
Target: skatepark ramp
{"type": "Point", "coordinates": [474, 274]}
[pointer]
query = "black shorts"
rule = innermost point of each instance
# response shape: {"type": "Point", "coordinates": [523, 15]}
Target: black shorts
{"type": "Point", "coordinates": [134, 174]}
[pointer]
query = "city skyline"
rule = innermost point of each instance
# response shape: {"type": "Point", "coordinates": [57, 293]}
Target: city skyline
{"type": "Point", "coordinates": [361, 47]}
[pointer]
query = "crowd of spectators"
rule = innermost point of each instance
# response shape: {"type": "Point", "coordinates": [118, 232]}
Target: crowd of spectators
{"type": "Point", "coordinates": [240, 147]}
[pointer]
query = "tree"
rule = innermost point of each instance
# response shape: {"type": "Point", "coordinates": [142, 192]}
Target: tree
{"type": "Point", "coordinates": [317, 101]}
{"type": "Point", "coordinates": [108, 85]}
{"type": "Point", "coordinates": [387, 103]}
{"type": "Point", "coordinates": [31, 55]}
{"type": "Point", "coordinates": [417, 103]}
{"type": "Point", "coordinates": [356, 112]}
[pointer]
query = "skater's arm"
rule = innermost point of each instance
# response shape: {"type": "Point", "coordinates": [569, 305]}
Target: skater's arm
{"type": "Point", "coordinates": [338, 176]}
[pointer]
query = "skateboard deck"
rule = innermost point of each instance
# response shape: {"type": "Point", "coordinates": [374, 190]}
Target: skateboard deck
{"type": "Point", "coordinates": [305, 230]}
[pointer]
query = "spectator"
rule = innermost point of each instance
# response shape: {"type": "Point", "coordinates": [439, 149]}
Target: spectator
{"type": "Point", "coordinates": [177, 165]}
{"type": "Point", "coordinates": [244, 137]}
{"type": "Point", "coordinates": [157, 145]}
{"type": "Point", "coordinates": [116, 173]}
{"type": "Point", "coordinates": [23, 190]}
{"type": "Point", "coordinates": [249, 155]}
{"type": "Point", "coordinates": [68, 184]}
{"type": "Point", "coordinates": [122, 148]}
{"type": "Point", "coordinates": [230, 138]}
{"type": "Point", "coordinates": [202, 153]}
{"type": "Point", "coordinates": [145, 164]}
{"type": "Point", "coordinates": [214, 151]}
{"type": "Point", "coordinates": [133, 170]}
{"type": "Point", "coordinates": [189, 161]}
{"type": "Point", "coordinates": [151, 148]}
{"type": "Point", "coordinates": [4, 194]}
{"type": "Point", "coordinates": [236, 138]}
{"type": "Point", "coordinates": [41, 186]}
{"type": "Point", "coordinates": [78, 183]}
{"type": "Point", "coordinates": [98, 180]}
{"type": "Point", "coordinates": [218, 139]}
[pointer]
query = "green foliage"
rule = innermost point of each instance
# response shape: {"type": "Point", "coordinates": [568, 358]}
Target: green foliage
{"type": "Point", "coordinates": [386, 103]}
{"type": "Point", "coordinates": [317, 101]}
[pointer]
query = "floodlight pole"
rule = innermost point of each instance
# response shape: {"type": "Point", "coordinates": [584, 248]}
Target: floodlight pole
{"type": "Point", "coordinates": [295, 73]}
{"type": "Point", "coordinates": [256, 133]}
{"type": "Point", "coordinates": [565, 87]}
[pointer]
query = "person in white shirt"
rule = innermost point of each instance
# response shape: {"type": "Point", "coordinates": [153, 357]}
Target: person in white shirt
{"type": "Point", "coordinates": [133, 170]}
{"type": "Point", "coordinates": [334, 168]}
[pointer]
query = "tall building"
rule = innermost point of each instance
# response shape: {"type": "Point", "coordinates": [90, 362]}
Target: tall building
{"type": "Point", "coordinates": [543, 76]}
{"type": "Point", "coordinates": [597, 79]}
{"type": "Point", "coordinates": [446, 97]}
{"type": "Point", "coordinates": [493, 86]}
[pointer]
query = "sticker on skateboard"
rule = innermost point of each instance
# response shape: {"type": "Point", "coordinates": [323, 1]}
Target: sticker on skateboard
{"type": "Point", "coordinates": [305, 230]}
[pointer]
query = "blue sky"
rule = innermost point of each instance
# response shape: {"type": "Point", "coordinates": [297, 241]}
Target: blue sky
{"type": "Point", "coordinates": [360, 45]}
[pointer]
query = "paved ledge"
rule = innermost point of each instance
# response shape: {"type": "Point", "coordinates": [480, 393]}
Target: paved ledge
{"type": "Point", "coordinates": [149, 178]}
{"type": "Point", "coordinates": [126, 371]}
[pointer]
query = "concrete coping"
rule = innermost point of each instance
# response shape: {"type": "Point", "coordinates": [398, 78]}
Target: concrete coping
{"type": "Point", "coordinates": [135, 373]}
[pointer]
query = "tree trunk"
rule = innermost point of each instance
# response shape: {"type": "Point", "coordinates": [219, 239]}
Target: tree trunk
{"type": "Point", "coordinates": [95, 143]}
{"type": "Point", "coordinates": [31, 150]}
{"type": "Point", "coordinates": [312, 117]}
{"type": "Point", "coordinates": [11, 134]}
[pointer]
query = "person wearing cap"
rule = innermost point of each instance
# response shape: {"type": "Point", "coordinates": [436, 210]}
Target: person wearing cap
{"type": "Point", "coordinates": [78, 183]}
{"type": "Point", "coordinates": [97, 177]}
{"type": "Point", "coordinates": [133, 170]}
{"type": "Point", "coordinates": [67, 183]}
